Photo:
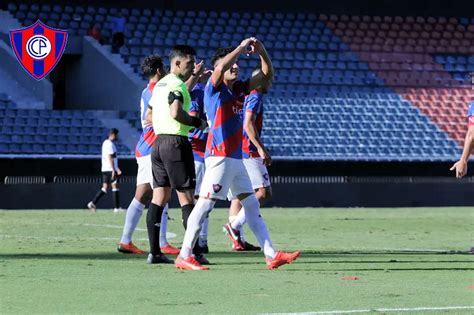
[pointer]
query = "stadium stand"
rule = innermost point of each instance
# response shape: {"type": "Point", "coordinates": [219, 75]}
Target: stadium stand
{"type": "Point", "coordinates": [67, 132]}
{"type": "Point", "coordinates": [371, 88]}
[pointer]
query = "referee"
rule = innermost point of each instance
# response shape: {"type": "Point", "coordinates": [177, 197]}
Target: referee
{"type": "Point", "coordinates": [172, 156]}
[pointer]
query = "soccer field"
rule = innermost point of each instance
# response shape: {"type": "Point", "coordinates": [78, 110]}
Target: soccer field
{"type": "Point", "coordinates": [384, 260]}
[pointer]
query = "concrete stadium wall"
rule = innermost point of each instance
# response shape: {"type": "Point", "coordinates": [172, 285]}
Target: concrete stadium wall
{"type": "Point", "coordinates": [96, 81]}
{"type": "Point", "coordinates": [76, 196]}
{"type": "Point", "coordinates": [42, 90]}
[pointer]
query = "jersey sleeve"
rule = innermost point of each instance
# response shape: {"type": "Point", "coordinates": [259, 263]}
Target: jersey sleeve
{"type": "Point", "coordinates": [470, 114]}
{"type": "Point", "coordinates": [109, 148]}
{"type": "Point", "coordinates": [177, 88]}
{"type": "Point", "coordinates": [252, 103]}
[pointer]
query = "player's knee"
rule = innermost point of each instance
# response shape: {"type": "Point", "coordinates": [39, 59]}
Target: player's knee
{"type": "Point", "coordinates": [265, 194]}
{"type": "Point", "coordinates": [250, 203]}
{"type": "Point", "coordinates": [143, 193]}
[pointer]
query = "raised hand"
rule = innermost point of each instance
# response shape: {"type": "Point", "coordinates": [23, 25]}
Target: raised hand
{"type": "Point", "coordinates": [199, 68]}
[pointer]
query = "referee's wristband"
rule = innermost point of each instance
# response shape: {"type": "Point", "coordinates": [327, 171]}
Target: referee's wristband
{"type": "Point", "coordinates": [196, 122]}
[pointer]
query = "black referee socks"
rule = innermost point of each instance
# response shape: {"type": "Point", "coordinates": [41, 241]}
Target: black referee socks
{"type": "Point", "coordinates": [186, 211]}
{"type": "Point", "coordinates": [153, 220]}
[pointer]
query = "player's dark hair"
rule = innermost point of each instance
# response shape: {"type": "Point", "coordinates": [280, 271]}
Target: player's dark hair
{"type": "Point", "coordinates": [152, 63]}
{"type": "Point", "coordinates": [113, 131]}
{"type": "Point", "coordinates": [181, 51]}
{"type": "Point", "coordinates": [221, 53]}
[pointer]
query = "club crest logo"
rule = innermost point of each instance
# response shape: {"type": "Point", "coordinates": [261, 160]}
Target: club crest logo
{"type": "Point", "coordinates": [38, 48]}
{"type": "Point", "coordinates": [216, 188]}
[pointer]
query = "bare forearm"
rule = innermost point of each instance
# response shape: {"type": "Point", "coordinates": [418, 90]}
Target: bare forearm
{"type": "Point", "coordinates": [252, 133]}
{"type": "Point", "coordinates": [111, 161]}
{"type": "Point", "coordinates": [149, 116]}
{"type": "Point", "coordinates": [468, 145]}
{"type": "Point", "coordinates": [267, 65]}
{"type": "Point", "coordinates": [227, 62]}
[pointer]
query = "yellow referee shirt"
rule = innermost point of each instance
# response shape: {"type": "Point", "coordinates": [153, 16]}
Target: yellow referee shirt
{"type": "Point", "coordinates": [163, 123]}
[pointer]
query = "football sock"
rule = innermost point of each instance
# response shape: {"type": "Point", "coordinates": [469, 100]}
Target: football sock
{"type": "Point", "coordinates": [203, 233]}
{"type": "Point", "coordinates": [199, 213]}
{"type": "Point", "coordinates": [257, 224]}
{"type": "Point", "coordinates": [238, 223]}
{"type": "Point", "coordinates": [186, 212]}
{"type": "Point", "coordinates": [99, 195]}
{"type": "Point", "coordinates": [134, 213]}
{"type": "Point", "coordinates": [164, 227]}
{"type": "Point", "coordinates": [116, 194]}
{"type": "Point", "coordinates": [153, 219]}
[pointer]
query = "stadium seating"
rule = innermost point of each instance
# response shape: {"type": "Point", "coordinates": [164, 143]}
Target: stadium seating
{"type": "Point", "coordinates": [346, 87]}
{"type": "Point", "coordinates": [33, 131]}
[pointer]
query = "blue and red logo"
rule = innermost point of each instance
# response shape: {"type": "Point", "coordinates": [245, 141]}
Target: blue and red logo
{"type": "Point", "coordinates": [38, 48]}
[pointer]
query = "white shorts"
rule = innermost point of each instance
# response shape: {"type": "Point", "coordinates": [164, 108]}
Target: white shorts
{"type": "Point", "coordinates": [225, 175]}
{"type": "Point", "coordinates": [258, 172]}
{"type": "Point", "coordinates": [144, 174]}
{"type": "Point", "coordinates": [200, 168]}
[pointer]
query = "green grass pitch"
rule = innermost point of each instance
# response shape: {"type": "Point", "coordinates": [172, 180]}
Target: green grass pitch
{"type": "Point", "coordinates": [405, 260]}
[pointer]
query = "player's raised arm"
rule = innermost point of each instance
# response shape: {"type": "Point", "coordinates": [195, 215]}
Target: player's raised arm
{"type": "Point", "coordinates": [226, 63]}
{"type": "Point", "coordinates": [194, 78]}
{"type": "Point", "coordinates": [267, 70]}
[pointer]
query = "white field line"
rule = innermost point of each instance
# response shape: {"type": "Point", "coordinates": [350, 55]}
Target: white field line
{"type": "Point", "coordinates": [109, 226]}
{"type": "Point", "coordinates": [414, 309]}
{"type": "Point", "coordinates": [62, 238]}
{"type": "Point", "coordinates": [168, 234]}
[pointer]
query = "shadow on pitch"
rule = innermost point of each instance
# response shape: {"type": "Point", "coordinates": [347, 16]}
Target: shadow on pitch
{"type": "Point", "coordinates": [308, 257]}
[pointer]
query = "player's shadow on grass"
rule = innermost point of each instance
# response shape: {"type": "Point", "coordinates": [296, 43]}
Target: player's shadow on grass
{"type": "Point", "coordinates": [307, 257]}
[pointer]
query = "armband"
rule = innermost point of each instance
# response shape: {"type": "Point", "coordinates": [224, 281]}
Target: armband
{"type": "Point", "coordinates": [175, 95]}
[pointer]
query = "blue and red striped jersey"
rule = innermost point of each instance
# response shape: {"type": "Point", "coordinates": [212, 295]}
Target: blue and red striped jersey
{"type": "Point", "coordinates": [148, 136]}
{"type": "Point", "coordinates": [224, 108]}
{"type": "Point", "coordinates": [470, 114]}
{"type": "Point", "coordinates": [197, 137]}
{"type": "Point", "coordinates": [253, 104]}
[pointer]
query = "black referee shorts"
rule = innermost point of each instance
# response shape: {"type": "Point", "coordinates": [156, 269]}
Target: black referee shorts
{"type": "Point", "coordinates": [107, 178]}
{"type": "Point", "coordinates": [172, 163]}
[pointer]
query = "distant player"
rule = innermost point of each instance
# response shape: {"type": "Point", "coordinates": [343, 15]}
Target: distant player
{"type": "Point", "coordinates": [256, 159]}
{"type": "Point", "coordinates": [198, 140]}
{"type": "Point", "coordinates": [223, 97]}
{"type": "Point", "coordinates": [460, 167]}
{"type": "Point", "coordinates": [110, 172]}
{"type": "Point", "coordinates": [172, 156]}
{"type": "Point", "coordinates": [153, 69]}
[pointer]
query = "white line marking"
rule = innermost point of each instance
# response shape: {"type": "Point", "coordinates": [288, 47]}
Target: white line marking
{"type": "Point", "coordinates": [109, 226]}
{"type": "Point", "coordinates": [62, 238]}
{"type": "Point", "coordinates": [414, 309]}
{"type": "Point", "coordinates": [169, 235]}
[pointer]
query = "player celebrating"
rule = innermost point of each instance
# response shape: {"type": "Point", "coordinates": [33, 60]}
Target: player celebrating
{"type": "Point", "coordinates": [110, 172]}
{"type": "Point", "coordinates": [172, 156]}
{"type": "Point", "coordinates": [224, 167]}
{"type": "Point", "coordinates": [256, 159]}
{"type": "Point", "coordinates": [153, 69]}
{"type": "Point", "coordinates": [198, 140]}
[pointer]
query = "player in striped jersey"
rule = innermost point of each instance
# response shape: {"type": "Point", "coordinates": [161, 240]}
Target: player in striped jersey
{"type": "Point", "coordinates": [153, 69]}
{"type": "Point", "coordinates": [223, 100]}
{"type": "Point", "coordinates": [198, 139]}
{"type": "Point", "coordinates": [256, 159]}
